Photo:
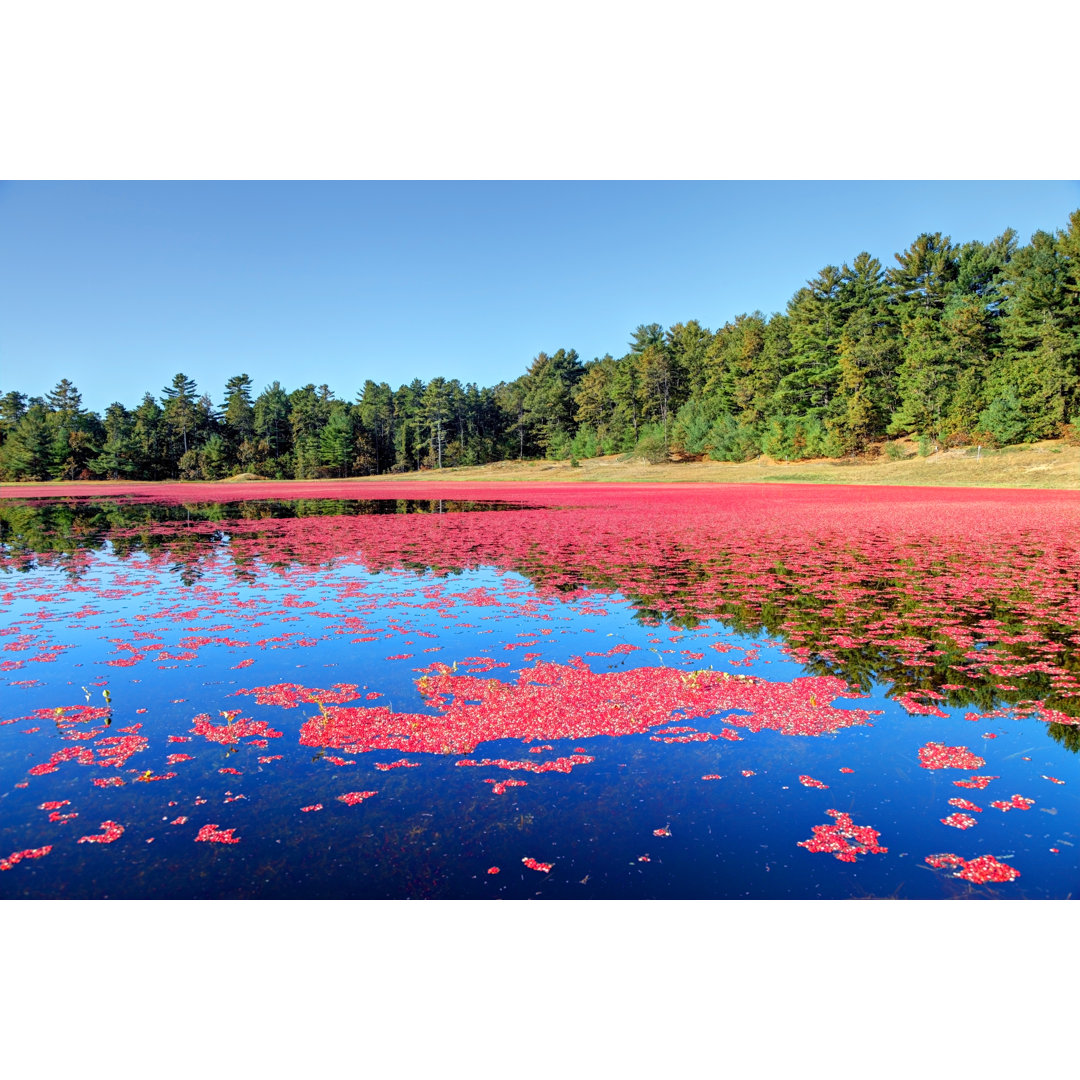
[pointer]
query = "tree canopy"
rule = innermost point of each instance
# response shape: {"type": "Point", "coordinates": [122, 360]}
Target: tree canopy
{"type": "Point", "coordinates": [954, 343]}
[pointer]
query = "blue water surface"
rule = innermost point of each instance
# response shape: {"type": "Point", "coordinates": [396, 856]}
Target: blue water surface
{"type": "Point", "coordinates": [435, 831]}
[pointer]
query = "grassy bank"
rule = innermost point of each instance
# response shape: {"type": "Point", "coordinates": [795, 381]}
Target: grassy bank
{"type": "Point", "coordinates": [1045, 465]}
{"type": "Point", "coordinates": [1039, 465]}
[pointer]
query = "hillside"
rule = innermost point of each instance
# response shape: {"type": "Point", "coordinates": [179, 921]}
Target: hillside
{"type": "Point", "coordinates": [1048, 464]}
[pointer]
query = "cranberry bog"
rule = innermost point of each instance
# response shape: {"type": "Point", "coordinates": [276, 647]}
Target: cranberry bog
{"type": "Point", "coordinates": [671, 691]}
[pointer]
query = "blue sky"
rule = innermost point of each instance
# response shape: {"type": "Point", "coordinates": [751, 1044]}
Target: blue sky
{"type": "Point", "coordinates": [118, 286]}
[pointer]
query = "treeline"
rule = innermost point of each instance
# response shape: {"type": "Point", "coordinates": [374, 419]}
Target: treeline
{"type": "Point", "coordinates": [955, 344]}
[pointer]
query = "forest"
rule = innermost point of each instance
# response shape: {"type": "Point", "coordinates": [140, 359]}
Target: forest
{"type": "Point", "coordinates": [956, 344]}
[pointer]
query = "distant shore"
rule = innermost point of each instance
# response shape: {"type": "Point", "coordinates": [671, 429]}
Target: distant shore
{"type": "Point", "coordinates": [1044, 465]}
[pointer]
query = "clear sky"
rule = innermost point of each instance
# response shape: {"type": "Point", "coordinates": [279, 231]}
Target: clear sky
{"type": "Point", "coordinates": [119, 286]}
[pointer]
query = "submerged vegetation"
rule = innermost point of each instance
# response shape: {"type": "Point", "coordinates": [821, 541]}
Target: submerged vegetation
{"type": "Point", "coordinates": [956, 344]}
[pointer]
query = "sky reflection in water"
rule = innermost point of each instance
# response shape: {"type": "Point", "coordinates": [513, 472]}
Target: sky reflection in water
{"type": "Point", "coordinates": [421, 699]}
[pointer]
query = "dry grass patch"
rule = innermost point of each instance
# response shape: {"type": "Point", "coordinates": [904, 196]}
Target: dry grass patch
{"type": "Point", "coordinates": [1051, 464]}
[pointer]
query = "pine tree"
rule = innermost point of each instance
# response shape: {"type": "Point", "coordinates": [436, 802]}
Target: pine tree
{"type": "Point", "coordinates": [549, 407]}
{"type": "Point", "coordinates": [659, 384]}
{"type": "Point", "coordinates": [921, 281]}
{"type": "Point", "coordinates": [273, 432]}
{"type": "Point", "coordinates": [1003, 419]}
{"type": "Point", "coordinates": [815, 317]}
{"type": "Point", "coordinates": [27, 453]}
{"type": "Point", "coordinates": [65, 403]}
{"type": "Point", "coordinates": [644, 335]}
{"type": "Point", "coordinates": [309, 410]}
{"type": "Point", "coordinates": [119, 453]}
{"type": "Point", "coordinates": [435, 408]}
{"type": "Point", "coordinates": [458, 427]}
{"type": "Point", "coordinates": [179, 407]}
{"type": "Point", "coordinates": [626, 397]}
{"type": "Point", "coordinates": [735, 368]}
{"type": "Point", "coordinates": [215, 457]}
{"type": "Point", "coordinates": [689, 343]}
{"type": "Point", "coordinates": [150, 439]}
{"type": "Point", "coordinates": [375, 422]}
{"type": "Point", "coordinates": [407, 425]}
{"type": "Point", "coordinates": [966, 323]}
{"type": "Point", "coordinates": [13, 407]}
{"type": "Point", "coordinates": [238, 421]}
{"type": "Point", "coordinates": [867, 356]}
{"type": "Point", "coordinates": [925, 379]}
{"type": "Point", "coordinates": [511, 399]}
{"type": "Point", "coordinates": [1042, 353]}
{"type": "Point", "coordinates": [76, 433]}
{"type": "Point", "coordinates": [337, 440]}
{"type": "Point", "coordinates": [920, 286]}
{"type": "Point", "coordinates": [982, 269]}
{"type": "Point", "coordinates": [595, 401]}
{"type": "Point", "coordinates": [1068, 248]}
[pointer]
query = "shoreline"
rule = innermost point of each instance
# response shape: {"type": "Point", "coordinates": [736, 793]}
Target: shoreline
{"type": "Point", "coordinates": [1046, 466]}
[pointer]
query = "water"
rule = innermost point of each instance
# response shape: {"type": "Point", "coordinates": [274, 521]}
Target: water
{"type": "Point", "coordinates": [587, 695]}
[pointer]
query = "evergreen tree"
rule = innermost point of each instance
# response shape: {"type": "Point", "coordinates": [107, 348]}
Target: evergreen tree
{"type": "Point", "coordinates": [65, 403]}
{"type": "Point", "coordinates": [549, 407]}
{"type": "Point", "coordinates": [867, 357]}
{"type": "Point", "coordinates": [179, 413]}
{"type": "Point", "coordinates": [925, 379]}
{"type": "Point", "coordinates": [239, 411]}
{"type": "Point", "coordinates": [435, 408]}
{"type": "Point", "coordinates": [1003, 419]}
{"type": "Point", "coordinates": [982, 269]}
{"type": "Point", "coordinates": [921, 280]}
{"type": "Point", "coordinates": [626, 396]}
{"type": "Point", "coordinates": [776, 364]}
{"type": "Point", "coordinates": [376, 427]}
{"type": "Point", "coordinates": [273, 432]}
{"type": "Point", "coordinates": [27, 453]}
{"type": "Point", "coordinates": [736, 372]}
{"type": "Point", "coordinates": [1068, 248]}
{"type": "Point", "coordinates": [967, 324]}
{"type": "Point", "coordinates": [215, 457]}
{"type": "Point", "coordinates": [75, 432]}
{"type": "Point", "coordinates": [511, 399]}
{"type": "Point", "coordinates": [337, 440]}
{"type": "Point", "coordinates": [309, 411]}
{"type": "Point", "coordinates": [119, 457]}
{"type": "Point", "coordinates": [407, 425]}
{"type": "Point", "coordinates": [485, 426]}
{"type": "Point", "coordinates": [149, 439]}
{"type": "Point", "coordinates": [921, 284]}
{"type": "Point", "coordinates": [689, 343]}
{"type": "Point", "coordinates": [207, 419]}
{"type": "Point", "coordinates": [1042, 352]}
{"type": "Point", "coordinates": [659, 385]}
{"type": "Point", "coordinates": [693, 432]}
{"type": "Point", "coordinates": [13, 407]}
{"type": "Point", "coordinates": [238, 421]}
{"type": "Point", "coordinates": [644, 335]}
{"type": "Point", "coordinates": [595, 401]}
{"type": "Point", "coordinates": [815, 318]}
